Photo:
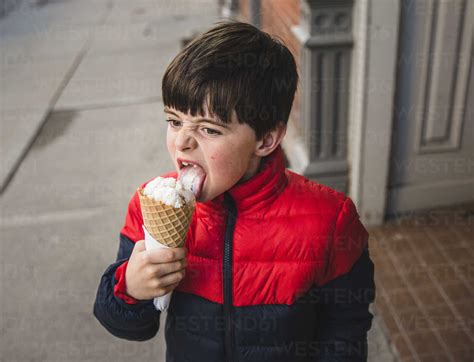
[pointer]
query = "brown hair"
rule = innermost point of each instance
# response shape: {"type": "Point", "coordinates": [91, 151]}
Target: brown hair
{"type": "Point", "coordinates": [233, 66]}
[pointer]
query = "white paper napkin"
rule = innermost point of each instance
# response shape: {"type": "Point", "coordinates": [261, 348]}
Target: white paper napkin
{"type": "Point", "coordinates": [161, 303]}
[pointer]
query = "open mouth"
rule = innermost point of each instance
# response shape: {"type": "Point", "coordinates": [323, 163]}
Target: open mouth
{"type": "Point", "coordinates": [192, 175]}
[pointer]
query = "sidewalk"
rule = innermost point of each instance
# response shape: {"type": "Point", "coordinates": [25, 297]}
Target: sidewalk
{"type": "Point", "coordinates": [86, 75]}
{"type": "Point", "coordinates": [81, 116]}
{"type": "Point", "coordinates": [424, 277]}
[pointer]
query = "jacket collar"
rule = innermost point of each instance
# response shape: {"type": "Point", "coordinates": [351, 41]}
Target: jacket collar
{"type": "Point", "coordinates": [260, 190]}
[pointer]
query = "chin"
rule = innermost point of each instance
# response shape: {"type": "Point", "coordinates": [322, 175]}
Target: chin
{"type": "Point", "coordinates": [204, 197]}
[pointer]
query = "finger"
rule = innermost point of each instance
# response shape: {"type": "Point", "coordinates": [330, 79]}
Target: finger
{"type": "Point", "coordinates": [156, 256]}
{"type": "Point", "coordinates": [172, 278]}
{"type": "Point", "coordinates": [167, 268]}
{"type": "Point", "coordinates": [168, 289]}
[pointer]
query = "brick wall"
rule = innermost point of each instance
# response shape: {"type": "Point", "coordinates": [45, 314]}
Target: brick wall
{"type": "Point", "coordinates": [277, 19]}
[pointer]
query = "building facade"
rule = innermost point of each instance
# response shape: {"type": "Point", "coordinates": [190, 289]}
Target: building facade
{"type": "Point", "coordinates": [384, 108]}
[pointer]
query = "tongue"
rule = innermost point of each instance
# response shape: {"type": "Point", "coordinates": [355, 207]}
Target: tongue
{"type": "Point", "coordinates": [192, 179]}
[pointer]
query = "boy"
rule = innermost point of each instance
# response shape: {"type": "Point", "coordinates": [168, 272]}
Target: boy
{"type": "Point", "coordinates": [277, 267]}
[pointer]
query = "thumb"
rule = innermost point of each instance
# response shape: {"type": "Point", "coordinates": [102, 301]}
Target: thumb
{"type": "Point", "coordinates": [140, 245]}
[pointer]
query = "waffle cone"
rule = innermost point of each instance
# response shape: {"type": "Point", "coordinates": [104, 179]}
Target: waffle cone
{"type": "Point", "coordinates": [166, 224]}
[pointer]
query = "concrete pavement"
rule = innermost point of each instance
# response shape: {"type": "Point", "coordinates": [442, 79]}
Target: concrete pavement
{"type": "Point", "coordinates": [81, 127]}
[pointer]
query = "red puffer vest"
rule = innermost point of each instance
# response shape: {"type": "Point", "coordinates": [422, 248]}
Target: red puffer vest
{"type": "Point", "coordinates": [267, 261]}
{"type": "Point", "coordinates": [289, 234]}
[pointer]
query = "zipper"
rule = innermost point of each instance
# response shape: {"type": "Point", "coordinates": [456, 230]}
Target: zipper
{"type": "Point", "coordinates": [227, 272]}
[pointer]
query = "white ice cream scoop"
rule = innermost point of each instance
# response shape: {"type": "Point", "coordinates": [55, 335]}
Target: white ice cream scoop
{"type": "Point", "coordinates": [169, 191]}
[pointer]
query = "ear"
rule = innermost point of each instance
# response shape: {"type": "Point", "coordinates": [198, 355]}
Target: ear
{"type": "Point", "coordinates": [270, 141]}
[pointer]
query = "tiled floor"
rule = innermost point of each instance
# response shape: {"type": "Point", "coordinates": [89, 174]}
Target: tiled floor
{"type": "Point", "coordinates": [424, 270]}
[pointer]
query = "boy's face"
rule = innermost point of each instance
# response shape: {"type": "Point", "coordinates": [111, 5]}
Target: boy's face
{"type": "Point", "coordinates": [226, 152]}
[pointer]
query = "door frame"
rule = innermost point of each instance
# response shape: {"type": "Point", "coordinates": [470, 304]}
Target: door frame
{"type": "Point", "coordinates": [373, 86]}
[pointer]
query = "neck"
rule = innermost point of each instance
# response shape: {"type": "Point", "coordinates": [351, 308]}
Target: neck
{"type": "Point", "coordinates": [255, 167]}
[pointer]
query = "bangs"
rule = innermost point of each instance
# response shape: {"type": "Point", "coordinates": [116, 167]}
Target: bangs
{"type": "Point", "coordinates": [190, 95]}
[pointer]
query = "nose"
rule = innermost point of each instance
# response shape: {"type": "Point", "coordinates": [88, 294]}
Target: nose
{"type": "Point", "coordinates": [185, 140]}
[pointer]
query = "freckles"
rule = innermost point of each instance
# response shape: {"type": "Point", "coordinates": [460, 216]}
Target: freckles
{"type": "Point", "coordinates": [221, 162]}
{"type": "Point", "coordinates": [215, 157]}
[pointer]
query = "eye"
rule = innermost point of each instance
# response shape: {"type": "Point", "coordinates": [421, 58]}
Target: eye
{"type": "Point", "coordinates": [211, 132]}
{"type": "Point", "coordinates": [173, 123]}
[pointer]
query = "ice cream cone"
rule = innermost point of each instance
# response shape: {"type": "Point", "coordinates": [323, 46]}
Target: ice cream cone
{"type": "Point", "coordinates": [164, 223]}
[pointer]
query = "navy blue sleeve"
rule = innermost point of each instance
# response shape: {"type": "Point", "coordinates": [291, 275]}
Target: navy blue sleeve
{"type": "Point", "coordinates": [135, 322]}
{"type": "Point", "coordinates": [344, 313]}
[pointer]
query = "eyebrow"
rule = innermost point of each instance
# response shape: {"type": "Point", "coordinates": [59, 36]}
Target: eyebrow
{"type": "Point", "coordinates": [209, 120]}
